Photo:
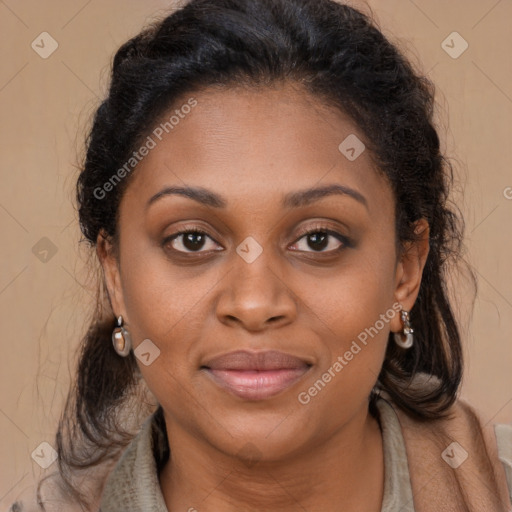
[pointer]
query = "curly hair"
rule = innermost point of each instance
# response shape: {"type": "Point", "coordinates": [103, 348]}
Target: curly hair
{"type": "Point", "coordinates": [335, 53]}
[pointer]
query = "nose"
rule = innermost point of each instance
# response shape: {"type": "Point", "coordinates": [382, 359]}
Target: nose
{"type": "Point", "coordinates": [255, 296]}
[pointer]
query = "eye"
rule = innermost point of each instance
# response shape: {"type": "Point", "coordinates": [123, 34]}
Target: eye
{"type": "Point", "coordinates": [190, 240]}
{"type": "Point", "coordinates": [321, 239]}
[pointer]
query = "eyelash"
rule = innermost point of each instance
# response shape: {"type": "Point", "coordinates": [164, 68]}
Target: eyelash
{"type": "Point", "coordinates": [346, 242]}
{"type": "Point", "coordinates": [323, 229]}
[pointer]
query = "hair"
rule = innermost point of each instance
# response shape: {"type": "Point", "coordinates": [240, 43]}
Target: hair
{"type": "Point", "coordinates": [336, 54]}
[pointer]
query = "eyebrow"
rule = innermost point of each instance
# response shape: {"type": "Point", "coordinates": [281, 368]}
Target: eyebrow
{"type": "Point", "coordinates": [291, 200]}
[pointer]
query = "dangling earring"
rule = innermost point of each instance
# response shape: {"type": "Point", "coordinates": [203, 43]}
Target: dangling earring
{"type": "Point", "coordinates": [121, 339]}
{"type": "Point", "coordinates": [407, 332]}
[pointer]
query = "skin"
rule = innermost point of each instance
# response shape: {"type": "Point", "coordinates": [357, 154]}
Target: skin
{"type": "Point", "coordinates": [253, 147]}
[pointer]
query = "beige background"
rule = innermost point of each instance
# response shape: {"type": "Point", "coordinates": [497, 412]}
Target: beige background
{"type": "Point", "coordinates": [46, 105]}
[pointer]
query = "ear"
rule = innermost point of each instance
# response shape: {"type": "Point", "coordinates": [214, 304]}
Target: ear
{"type": "Point", "coordinates": [109, 260]}
{"type": "Point", "coordinates": [409, 271]}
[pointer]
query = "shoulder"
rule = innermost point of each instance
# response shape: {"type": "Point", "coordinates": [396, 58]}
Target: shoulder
{"type": "Point", "coordinates": [134, 484]}
{"type": "Point", "coordinates": [503, 434]}
{"type": "Point", "coordinates": [51, 496]}
{"type": "Point", "coordinates": [147, 449]}
{"type": "Point", "coordinates": [459, 432]}
{"type": "Point", "coordinates": [48, 494]}
{"type": "Point", "coordinates": [26, 501]}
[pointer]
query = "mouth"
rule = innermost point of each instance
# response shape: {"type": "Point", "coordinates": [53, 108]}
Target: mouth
{"type": "Point", "coordinates": [256, 375]}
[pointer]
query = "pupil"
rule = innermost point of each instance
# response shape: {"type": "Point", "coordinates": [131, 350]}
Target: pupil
{"type": "Point", "coordinates": [194, 241]}
{"type": "Point", "coordinates": [192, 244]}
{"type": "Point", "coordinates": [319, 240]}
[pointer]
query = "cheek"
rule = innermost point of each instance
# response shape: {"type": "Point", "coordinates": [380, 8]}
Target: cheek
{"type": "Point", "coordinates": [355, 294]}
{"type": "Point", "coordinates": [355, 309]}
{"type": "Point", "coordinates": [169, 311]}
{"type": "Point", "coordinates": [167, 305]}
{"type": "Point", "coordinates": [161, 299]}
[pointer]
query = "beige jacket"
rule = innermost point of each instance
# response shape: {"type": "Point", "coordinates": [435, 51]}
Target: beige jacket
{"type": "Point", "coordinates": [438, 473]}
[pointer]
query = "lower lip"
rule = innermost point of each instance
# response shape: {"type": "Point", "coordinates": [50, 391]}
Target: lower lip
{"type": "Point", "coordinates": [256, 385]}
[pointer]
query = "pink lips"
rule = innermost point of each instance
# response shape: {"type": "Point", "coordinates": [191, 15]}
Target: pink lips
{"type": "Point", "coordinates": [256, 375]}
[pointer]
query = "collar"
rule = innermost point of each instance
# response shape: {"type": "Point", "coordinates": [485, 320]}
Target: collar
{"type": "Point", "coordinates": [133, 485]}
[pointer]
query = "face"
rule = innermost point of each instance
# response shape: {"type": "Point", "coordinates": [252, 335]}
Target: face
{"type": "Point", "coordinates": [252, 259]}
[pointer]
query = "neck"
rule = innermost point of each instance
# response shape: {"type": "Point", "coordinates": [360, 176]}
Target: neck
{"type": "Point", "coordinates": [343, 472]}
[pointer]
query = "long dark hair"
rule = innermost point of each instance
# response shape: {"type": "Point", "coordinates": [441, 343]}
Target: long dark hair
{"type": "Point", "coordinates": [335, 53]}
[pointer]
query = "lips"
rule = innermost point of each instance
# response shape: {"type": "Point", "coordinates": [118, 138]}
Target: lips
{"type": "Point", "coordinates": [255, 375]}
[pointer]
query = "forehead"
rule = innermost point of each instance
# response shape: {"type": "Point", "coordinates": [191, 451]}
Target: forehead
{"type": "Point", "coordinates": [254, 144]}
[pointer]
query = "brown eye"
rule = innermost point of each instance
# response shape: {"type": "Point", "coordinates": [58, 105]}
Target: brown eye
{"type": "Point", "coordinates": [190, 240]}
{"type": "Point", "coordinates": [318, 240]}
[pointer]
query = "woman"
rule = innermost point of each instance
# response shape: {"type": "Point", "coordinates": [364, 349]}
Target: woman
{"type": "Point", "coordinates": [266, 196]}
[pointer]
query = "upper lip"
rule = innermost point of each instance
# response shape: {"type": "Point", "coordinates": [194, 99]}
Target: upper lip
{"type": "Point", "coordinates": [246, 360]}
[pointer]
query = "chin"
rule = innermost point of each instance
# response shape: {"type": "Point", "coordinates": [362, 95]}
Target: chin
{"type": "Point", "coordinates": [263, 437]}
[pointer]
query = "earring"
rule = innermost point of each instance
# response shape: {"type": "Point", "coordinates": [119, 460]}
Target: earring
{"type": "Point", "coordinates": [407, 332]}
{"type": "Point", "coordinates": [121, 339]}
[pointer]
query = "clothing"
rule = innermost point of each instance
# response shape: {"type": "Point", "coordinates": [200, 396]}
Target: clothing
{"type": "Point", "coordinates": [133, 484]}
